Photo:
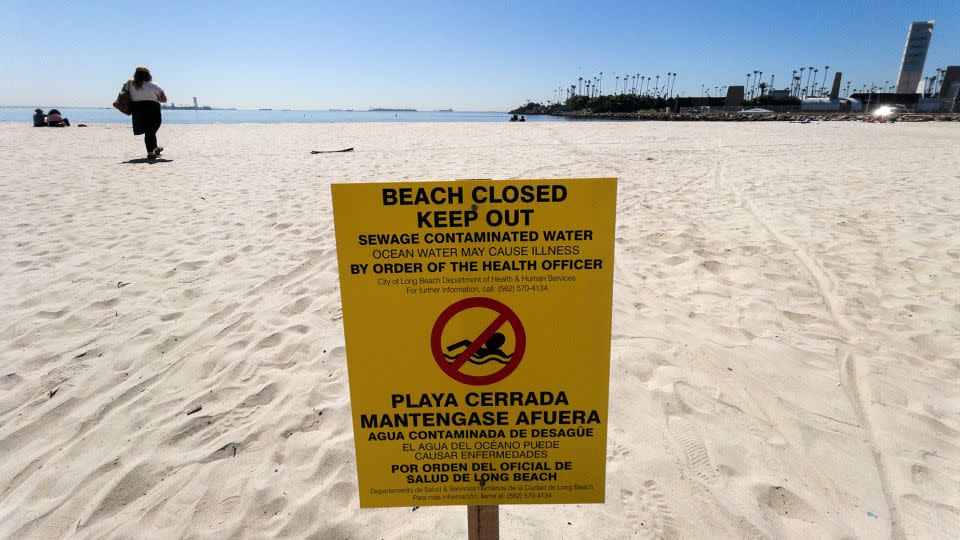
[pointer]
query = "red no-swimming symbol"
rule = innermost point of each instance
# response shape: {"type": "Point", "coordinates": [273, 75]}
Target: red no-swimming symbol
{"type": "Point", "coordinates": [484, 348]}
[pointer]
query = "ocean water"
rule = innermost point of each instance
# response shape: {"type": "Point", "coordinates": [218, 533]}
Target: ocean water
{"type": "Point", "coordinates": [112, 116]}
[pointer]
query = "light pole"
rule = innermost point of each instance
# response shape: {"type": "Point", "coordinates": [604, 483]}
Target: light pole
{"type": "Point", "coordinates": [601, 83]}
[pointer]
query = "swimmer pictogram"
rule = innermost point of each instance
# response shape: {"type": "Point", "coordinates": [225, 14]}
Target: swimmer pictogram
{"type": "Point", "coordinates": [485, 344]}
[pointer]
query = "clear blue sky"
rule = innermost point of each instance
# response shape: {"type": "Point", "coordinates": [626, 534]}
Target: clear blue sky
{"type": "Point", "coordinates": [469, 55]}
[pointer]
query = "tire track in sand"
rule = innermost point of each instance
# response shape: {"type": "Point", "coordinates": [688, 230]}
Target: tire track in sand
{"type": "Point", "coordinates": [846, 365]}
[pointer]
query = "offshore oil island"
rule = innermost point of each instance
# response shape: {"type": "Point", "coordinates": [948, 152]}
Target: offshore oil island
{"type": "Point", "coordinates": [194, 107]}
{"type": "Point", "coordinates": [382, 109]}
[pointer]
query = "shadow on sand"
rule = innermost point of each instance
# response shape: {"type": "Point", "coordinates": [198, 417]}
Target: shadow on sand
{"type": "Point", "coordinates": [147, 160]}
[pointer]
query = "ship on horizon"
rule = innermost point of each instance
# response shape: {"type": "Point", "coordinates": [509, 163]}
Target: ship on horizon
{"type": "Point", "coordinates": [383, 109]}
{"type": "Point", "coordinates": [194, 107]}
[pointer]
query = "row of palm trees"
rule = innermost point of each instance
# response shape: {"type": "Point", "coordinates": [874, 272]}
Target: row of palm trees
{"type": "Point", "coordinates": [934, 83]}
{"type": "Point", "coordinates": [629, 84]}
{"type": "Point", "coordinates": [811, 85]}
{"type": "Point", "coordinates": [805, 81]}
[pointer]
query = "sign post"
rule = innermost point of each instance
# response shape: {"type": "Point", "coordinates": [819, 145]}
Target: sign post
{"type": "Point", "coordinates": [477, 323]}
{"type": "Point", "coordinates": [483, 522]}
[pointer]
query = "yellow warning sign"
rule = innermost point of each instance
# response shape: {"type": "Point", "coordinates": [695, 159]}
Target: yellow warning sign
{"type": "Point", "coordinates": [477, 322]}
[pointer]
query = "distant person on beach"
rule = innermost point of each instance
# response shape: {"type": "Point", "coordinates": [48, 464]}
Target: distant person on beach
{"type": "Point", "coordinates": [145, 109]}
{"type": "Point", "coordinates": [39, 119]}
{"type": "Point", "coordinates": [514, 118]}
{"type": "Point", "coordinates": [522, 118]}
{"type": "Point", "coordinates": [54, 119]}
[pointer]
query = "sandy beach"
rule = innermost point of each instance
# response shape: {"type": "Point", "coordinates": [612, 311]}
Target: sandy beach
{"type": "Point", "coordinates": [786, 328]}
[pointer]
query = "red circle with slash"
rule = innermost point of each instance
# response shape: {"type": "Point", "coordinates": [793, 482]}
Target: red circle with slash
{"type": "Point", "coordinates": [504, 315]}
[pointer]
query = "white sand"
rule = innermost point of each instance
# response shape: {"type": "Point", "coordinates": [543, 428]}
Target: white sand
{"type": "Point", "coordinates": [786, 348]}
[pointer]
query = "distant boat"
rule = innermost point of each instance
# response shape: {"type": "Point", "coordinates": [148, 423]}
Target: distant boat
{"type": "Point", "coordinates": [264, 109]}
{"type": "Point", "coordinates": [443, 110]}
{"type": "Point", "coordinates": [174, 107]}
{"type": "Point", "coordinates": [195, 107]}
{"type": "Point", "coordinates": [382, 109]}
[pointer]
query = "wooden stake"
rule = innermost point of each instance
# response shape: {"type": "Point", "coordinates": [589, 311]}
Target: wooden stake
{"type": "Point", "coordinates": [483, 522]}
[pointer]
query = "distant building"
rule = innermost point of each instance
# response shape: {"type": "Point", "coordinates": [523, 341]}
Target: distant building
{"type": "Point", "coordinates": [835, 89]}
{"type": "Point", "coordinates": [822, 104]}
{"type": "Point", "coordinates": [914, 56]}
{"type": "Point", "coordinates": [780, 94]}
{"type": "Point", "coordinates": [195, 103]}
{"type": "Point", "coordinates": [734, 96]}
{"type": "Point", "coordinates": [951, 78]}
{"type": "Point", "coordinates": [872, 100]}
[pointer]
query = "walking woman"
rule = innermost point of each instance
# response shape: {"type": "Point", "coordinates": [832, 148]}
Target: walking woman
{"type": "Point", "coordinates": [146, 97]}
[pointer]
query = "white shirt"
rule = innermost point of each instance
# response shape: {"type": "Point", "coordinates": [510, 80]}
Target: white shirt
{"type": "Point", "coordinates": [147, 92]}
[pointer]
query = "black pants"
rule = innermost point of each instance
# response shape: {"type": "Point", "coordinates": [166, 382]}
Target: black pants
{"type": "Point", "coordinates": [150, 140]}
{"type": "Point", "coordinates": [146, 121]}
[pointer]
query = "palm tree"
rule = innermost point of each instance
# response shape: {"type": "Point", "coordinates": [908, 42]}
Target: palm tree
{"type": "Point", "coordinates": [823, 87]}
{"type": "Point", "coordinates": [656, 87]}
{"type": "Point", "coordinates": [601, 83]}
{"type": "Point", "coordinates": [763, 88]}
{"type": "Point", "coordinates": [579, 82]}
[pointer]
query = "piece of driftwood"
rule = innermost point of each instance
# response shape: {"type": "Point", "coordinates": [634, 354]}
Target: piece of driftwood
{"type": "Point", "coordinates": [331, 151]}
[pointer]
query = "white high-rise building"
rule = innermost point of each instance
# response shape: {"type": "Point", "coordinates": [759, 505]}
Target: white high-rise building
{"type": "Point", "coordinates": [914, 56]}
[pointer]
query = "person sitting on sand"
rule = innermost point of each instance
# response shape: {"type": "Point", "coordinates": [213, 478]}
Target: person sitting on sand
{"type": "Point", "coordinates": [514, 118]}
{"type": "Point", "coordinates": [39, 119]}
{"type": "Point", "coordinates": [146, 97]}
{"type": "Point", "coordinates": [54, 119]}
{"type": "Point", "coordinates": [522, 118]}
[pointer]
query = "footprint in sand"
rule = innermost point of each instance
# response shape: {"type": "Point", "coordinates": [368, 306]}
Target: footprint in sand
{"type": "Point", "coordinates": [697, 402]}
{"type": "Point", "coordinates": [617, 452]}
{"type": "Point", "coordinates": [929, 519]}
{"type": "Point", "coordinates": [694, 450]}
{"type": "Point", "coordinates": [647, 510]}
